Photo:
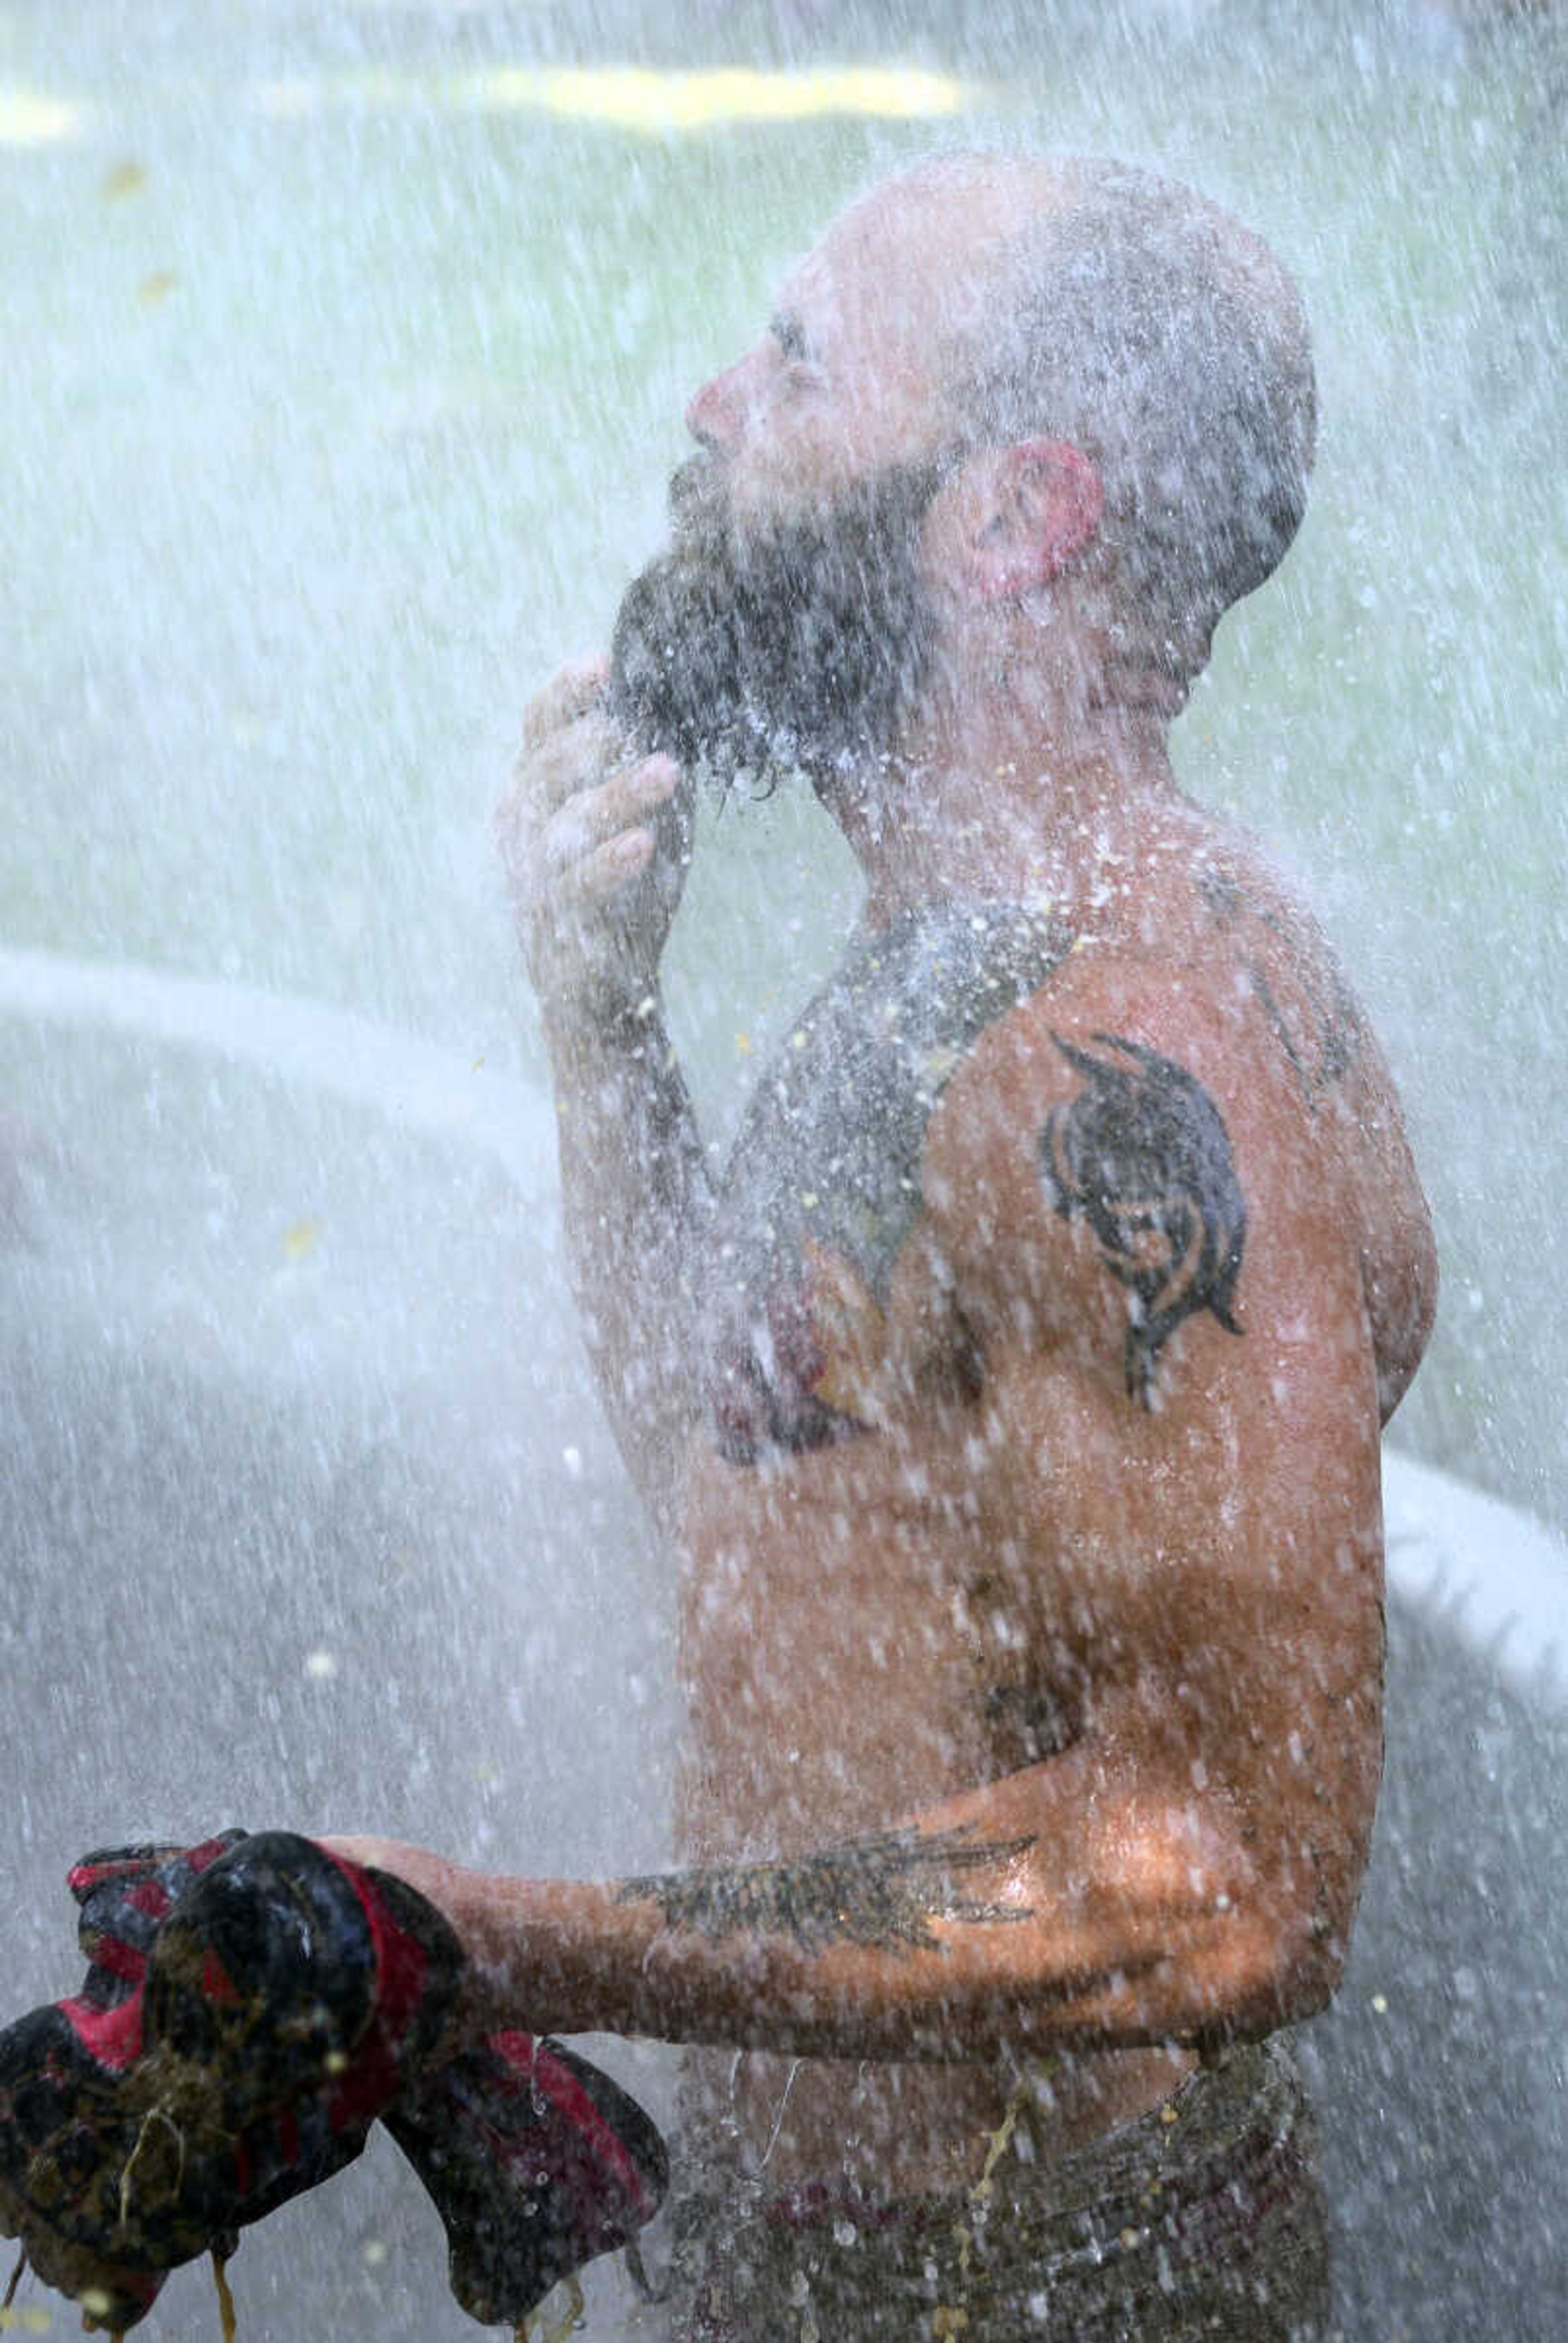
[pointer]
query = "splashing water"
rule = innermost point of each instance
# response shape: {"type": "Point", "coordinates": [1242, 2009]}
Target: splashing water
{"type": "Point", "coordinates": [360, 346]}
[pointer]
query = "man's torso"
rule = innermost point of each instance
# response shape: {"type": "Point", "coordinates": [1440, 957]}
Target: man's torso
{"type": "Point", "coordinates": [999, 1292]}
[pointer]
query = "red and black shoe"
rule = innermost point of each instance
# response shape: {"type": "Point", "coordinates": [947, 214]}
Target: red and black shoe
{"type": "Point", "coordinates": [286, 1973]}
{"type": "Point", "coordinates": [537, 2163]}
{"type": "Point", "coordinates": [126, 1895]}
{"type": "Point", "coordinates": [59, 2069]}
{"type": "Point", "coordinates": [536, 2160]}
{"type": "Point", "coordinates": [280, 2003]}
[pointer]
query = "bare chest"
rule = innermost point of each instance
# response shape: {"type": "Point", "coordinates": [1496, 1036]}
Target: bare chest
{"type": "Point", "coordinates": [825, 1303]}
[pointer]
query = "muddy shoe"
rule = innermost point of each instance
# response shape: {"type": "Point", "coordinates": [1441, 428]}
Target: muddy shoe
{"type": "Point", "coordinates": [285, 1973]}
{"type": "Point", "coordinates": [60, 2068]}
{"type": "Point", "coordinates": [280, 2003]}
{"type": "Point", "coordinates": [536, 2161]}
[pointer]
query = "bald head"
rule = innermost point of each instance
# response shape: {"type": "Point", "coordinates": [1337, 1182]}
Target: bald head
{"type": "Point", "coordinates": [1088, 302]}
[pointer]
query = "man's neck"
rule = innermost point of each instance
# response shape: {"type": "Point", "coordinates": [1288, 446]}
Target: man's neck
{"type": "Point", "coordinates": [1017, 813]}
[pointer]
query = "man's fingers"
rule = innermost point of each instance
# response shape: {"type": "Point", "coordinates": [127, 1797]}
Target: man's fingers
{"type": "Point", "coordinates": [591, 817]}
{"type": "Point", "coordinates": [569, 761]}
{"type": "Point", "coordinates": [602, 874]}
{"type": "Point", "coordinates": [565, 696]}
{"type": "Point", "coordinates": [576, 833]}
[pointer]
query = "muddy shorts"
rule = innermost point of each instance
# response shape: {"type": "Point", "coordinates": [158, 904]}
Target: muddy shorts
{"type": "Point", "coordinates": [1204, 2217]}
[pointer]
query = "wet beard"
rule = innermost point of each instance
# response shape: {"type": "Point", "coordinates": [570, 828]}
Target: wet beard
{"type": "Point", "coordinates": [798, 649]}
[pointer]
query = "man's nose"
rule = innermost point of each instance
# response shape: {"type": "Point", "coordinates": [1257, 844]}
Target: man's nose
{"type": "Point", "coordinates": [719, 413]}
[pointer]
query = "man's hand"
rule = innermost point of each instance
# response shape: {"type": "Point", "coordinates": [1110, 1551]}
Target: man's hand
{"type": "Point", "coordinates": [438, 1879]}
{"type": "Point", "coordinates": [595, 841]}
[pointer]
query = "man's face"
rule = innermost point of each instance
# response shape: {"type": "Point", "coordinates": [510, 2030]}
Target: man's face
{"type": "Point", "coordinates": [790, 623]}
{"type": "Point", "coordinates": [796, 643]}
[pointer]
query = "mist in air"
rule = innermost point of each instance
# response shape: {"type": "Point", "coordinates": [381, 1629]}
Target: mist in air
{"type": "Point", "coordinates": [348, 348]}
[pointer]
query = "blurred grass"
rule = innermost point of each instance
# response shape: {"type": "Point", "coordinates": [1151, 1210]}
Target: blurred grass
{"type": "Point", "coordinates": [333, 422]}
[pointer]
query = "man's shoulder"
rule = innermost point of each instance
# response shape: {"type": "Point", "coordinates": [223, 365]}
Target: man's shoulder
{"type": "Point", "coordinates": [1207, 959]}
{"type": "Point", "coordinates": [1160, 996]}
{"type": "Point", "coordinates": [1127, 1068]}
{"type": "Point", "coordinates": [1139, 1145]}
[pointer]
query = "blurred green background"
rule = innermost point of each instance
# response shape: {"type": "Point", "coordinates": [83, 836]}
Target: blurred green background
{"type": "Point", "coordinates": [347, 350]}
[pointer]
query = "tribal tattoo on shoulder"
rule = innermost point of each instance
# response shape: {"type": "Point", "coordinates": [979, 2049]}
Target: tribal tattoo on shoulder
{"type": "Point", "coordinates": [884, 1890]}
{"type": "Point", "coordinates": [1142, 1155]}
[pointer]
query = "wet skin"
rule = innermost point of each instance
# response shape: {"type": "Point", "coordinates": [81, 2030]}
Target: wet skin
{"type": "Point", "coordinates": [984, 1554]}
{"type": "Point", "coordinates": [1013, 1402]}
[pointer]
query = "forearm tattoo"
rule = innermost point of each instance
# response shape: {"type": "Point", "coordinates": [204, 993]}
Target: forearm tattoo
{"type": "Point", "coordinates": [1142, 1153]}
{"type": "Point", "coordinates": [884, 1890]}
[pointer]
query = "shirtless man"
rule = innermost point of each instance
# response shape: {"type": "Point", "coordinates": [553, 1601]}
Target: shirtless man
{"type": "Point", "coordinates": [1014, 1398]}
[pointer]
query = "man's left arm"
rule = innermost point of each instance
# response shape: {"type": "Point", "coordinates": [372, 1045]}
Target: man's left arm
{"type": "Point", "coordinates": [1193, 1481]}
{"type": "Point", "coordinates": [1094, 1897]}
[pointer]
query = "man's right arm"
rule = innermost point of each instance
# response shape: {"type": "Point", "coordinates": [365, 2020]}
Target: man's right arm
{"type": "Point", "coordinates": [594, 850]}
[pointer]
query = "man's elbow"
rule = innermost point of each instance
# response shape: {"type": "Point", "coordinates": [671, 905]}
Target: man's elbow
{"type": "Point", "coordinates": [1251, 1943]}
{"type": "Point", "coordinates": [1230, 1977]}
{"type": "Point", "coordinates": [1271, 1968]}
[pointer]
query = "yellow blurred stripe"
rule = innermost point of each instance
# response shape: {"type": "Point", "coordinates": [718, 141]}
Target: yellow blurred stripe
{"type": "Point", "coordinates": [636, 98]}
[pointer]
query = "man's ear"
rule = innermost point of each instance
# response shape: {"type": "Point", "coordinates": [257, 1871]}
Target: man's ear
{"type": "Point", "coordinates": [1043, 506]}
